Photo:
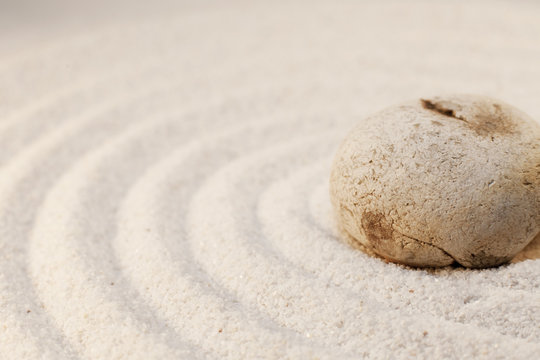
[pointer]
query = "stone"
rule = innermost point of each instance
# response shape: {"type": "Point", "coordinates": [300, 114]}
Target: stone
{"type": "Point", "coordinates": [440, 180]}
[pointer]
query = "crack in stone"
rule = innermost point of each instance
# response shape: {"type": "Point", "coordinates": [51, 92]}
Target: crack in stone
{"type": "Point", "coordinates": [430, 105]}
{"type": "Point", "coordinates": [425, 243]}
{"type": "Point", "coordinates": [485, 120]}
{"type": "Point", "coordinates": [380, 229]}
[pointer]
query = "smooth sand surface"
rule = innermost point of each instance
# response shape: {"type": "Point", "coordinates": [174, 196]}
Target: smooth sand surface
{"type": "Point", "coordinates": [164, 180]}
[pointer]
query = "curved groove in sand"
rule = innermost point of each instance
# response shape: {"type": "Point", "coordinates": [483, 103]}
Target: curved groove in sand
{"type": "Point", "coordinates": [162, 250]}
{"type": "Point", "coordinates": [46, 159]}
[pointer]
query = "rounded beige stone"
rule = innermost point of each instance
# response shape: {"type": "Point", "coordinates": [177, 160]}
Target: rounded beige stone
{"type": "Point", "coordinates": [441, 180]}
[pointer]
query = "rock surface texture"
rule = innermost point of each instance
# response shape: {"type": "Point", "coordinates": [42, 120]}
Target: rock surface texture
{"type": "Point", "coordinates": [441, 180]}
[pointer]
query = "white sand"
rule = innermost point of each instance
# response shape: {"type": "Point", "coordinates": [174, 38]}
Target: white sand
{"type": "Point", "coordinates": [164, 180]}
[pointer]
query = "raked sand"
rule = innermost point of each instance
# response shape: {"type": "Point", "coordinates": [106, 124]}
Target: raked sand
{"type": "Point", "coordinates": [164, 180]}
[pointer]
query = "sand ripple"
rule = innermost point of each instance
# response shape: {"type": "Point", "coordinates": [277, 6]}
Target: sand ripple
{"type": "Point", "coordinates": [164, 185]}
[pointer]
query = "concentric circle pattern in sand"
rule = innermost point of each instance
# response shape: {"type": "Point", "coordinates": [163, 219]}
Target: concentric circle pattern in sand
{"type": "Point", "coordinates": [164, 183]}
